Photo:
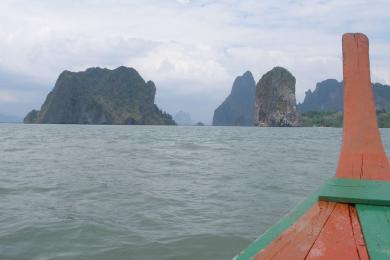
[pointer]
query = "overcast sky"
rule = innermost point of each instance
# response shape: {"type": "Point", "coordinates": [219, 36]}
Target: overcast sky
{"type": "Point", "coordinates": [192, 50]}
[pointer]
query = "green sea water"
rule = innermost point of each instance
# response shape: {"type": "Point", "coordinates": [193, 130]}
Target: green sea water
{"type": "Point", "coordinates": [153, 192]}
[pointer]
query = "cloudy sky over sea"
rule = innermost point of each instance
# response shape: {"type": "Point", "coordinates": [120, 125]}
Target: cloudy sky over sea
{"type": "Point", "coordinates": [192, 50]}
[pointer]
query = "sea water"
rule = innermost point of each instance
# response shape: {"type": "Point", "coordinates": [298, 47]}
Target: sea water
{"type": "Point", "coordinates": [153, 192]}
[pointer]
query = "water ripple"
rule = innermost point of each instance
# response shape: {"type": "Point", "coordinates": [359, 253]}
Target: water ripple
{"type": "Point", "coordinates": [139, 192]}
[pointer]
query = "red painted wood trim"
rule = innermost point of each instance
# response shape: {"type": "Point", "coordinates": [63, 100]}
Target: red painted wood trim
{"type": "Point", "coordinates": [337, 238]}
{"type": "Point", "coordinates": [297, 240]}
{"type": "Point", "coordinates": [362, 154]}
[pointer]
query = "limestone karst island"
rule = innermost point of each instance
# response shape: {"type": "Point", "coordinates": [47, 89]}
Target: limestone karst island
{"type": "Point", "coordinates": [101, 96]}
{"type": "Point", "coordinates": [122, 97]}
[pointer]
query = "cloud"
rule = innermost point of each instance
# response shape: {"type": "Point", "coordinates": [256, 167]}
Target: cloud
{"type": "Point", "coordinates": [7, 97]}
{"type": "Point", "coordinates": [173, 62]}
{"type": "Point", "coordinates": [184, 1]}
{"type": "Point", "coordinates": [186, 47]}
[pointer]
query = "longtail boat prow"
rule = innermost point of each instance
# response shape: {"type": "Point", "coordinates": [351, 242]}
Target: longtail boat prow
{"type": "Point", "coordinates": [349, 217]}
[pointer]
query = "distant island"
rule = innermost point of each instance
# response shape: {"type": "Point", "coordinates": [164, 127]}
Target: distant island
{"type": "Point", "coordinates": [101, 96]}
{"type": "Point", "coordinates": [269, 103]}
{"type": "Point", "coordinates": [239, 107]}
{"type": "Point", "coordinates": [324, 105]}
{"type": "Point", "coordinates": [121, 96]}
{"type": "Point", "coordinates": [183, 118]}
{"type": "Point", "coordinates": [328, 96]}
{"type": "Point", "coordinates": [273, 102]}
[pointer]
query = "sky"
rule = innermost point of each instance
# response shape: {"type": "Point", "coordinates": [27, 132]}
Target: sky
{"type": "Point", "coordinates": [191, 49]}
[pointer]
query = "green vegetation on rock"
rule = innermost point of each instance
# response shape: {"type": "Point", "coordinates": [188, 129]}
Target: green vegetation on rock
{"type": "Point", "coordinates": [335, 119]}
{"type": "Point", "coordinates": [325, 119]}
{"type": "Point", "coordinates": [101, 96]}
{"type": "Point", "coordinates": [383, 119]}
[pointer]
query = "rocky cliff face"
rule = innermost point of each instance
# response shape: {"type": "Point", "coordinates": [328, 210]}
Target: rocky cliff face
{"type": "Point", "coordinates": [275, 99]}
{"type": "Point", "coordinates": [382, 96]}
{"type": "Point", "coordinates": [328, 96]}
{"type": "Point", "coordinates": [239, 107]}
{"type": "Point", "coordinates": [100, 96]}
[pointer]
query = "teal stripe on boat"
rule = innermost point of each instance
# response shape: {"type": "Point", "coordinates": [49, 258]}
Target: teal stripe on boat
{"type": "Point", "coordinates": [375, 222]}
{"type": "Point", "coordinates": [272, 233]}
{"type": "Point", "coordinates": [356, 191]}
